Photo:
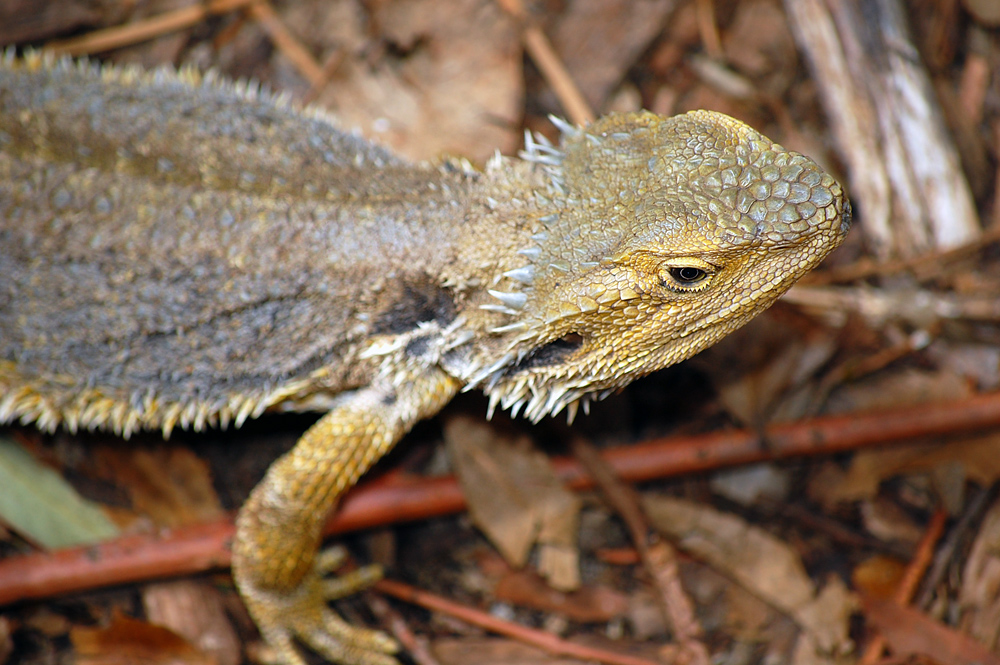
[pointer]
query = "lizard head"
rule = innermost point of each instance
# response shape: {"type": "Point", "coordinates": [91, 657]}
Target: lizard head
{"type": "Point", "coordinates": [656, 237]}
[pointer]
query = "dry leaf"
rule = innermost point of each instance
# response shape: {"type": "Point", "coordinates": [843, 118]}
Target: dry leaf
{"type": "Point", "coordinates": [620, 30]}
{"type": "Point", "coordinates": [748, 484]}
{"type": "Point", "coordinates": [40, 505]}
{"type": "Point", "coordinates": [888, 522]}
{"type": "Point", "coordinates": [979, 460]}
{"type": "Point", "coordinates": [910, 632]}
{"type": "Point", "coordinates": [515, 499]}
{"type": "Point", "coordinates": [194, 610]}
{"type": "Point", "coordinates": [826, 625]}
{"type": "Point", "coordinates": [434, 78]}
{"type": "Point", "coordinates": [892, 389]}
{"type": "Point", "coordinates": [765, 367]}
{"type": "Point", "coordinates": [878, 577]}
{"type": "Point", "coordinates": [765, 566]}
{"type": "Point", "coordinates": [979, 597]}
{"type": "Point", "coordinates": [170, 484]}
{"type": "Point", "coordinates": [128, 641]}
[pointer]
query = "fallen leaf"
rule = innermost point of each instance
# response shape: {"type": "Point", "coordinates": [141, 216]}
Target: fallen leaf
{"type": "Point", "coordinates": [128, 641]}
{"type": "Point", "coordinates": [878, 577]}
{"type": "Point", "coordinates": [910, 632]}
{"type": "Point", "coordinates": [892, 389]}
{"type": "Point", "coordinates": [194, 610]}
{"type": "Point", "coordinates": [765, 566]}
{"type": "Point", "coordinates": [41, 506]}
{"type": "Point", "coordinates": [747, 484]}
{"type": "Point", "coordinates": [620, 30]}
{"type": "Point", "coordinates": [424, 77]}
{"type": "Point", "coordinates": [516, 499]}
{"type": "Point", "coordinates": [170, 484]}
{"type": "Point", "coordinates": [979, 596]}
{"type": "Point", "coordinates": [978, 459]}
{"type": "Point", "coordinates": [765, 368]}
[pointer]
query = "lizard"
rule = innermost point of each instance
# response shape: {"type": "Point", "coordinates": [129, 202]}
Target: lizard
{"type": "Point", "coordinates": [182, 251]}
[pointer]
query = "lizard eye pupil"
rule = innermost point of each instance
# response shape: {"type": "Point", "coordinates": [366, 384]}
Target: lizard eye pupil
{"type": "Point", "coordinates": [688, 275]}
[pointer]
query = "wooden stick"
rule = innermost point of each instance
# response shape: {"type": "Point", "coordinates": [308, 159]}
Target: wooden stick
{"type": "Point", "coordinates": [262, 12]}
{"type": "Point", "coordinates": [398, 498]}
{"type": "Point", "coordinates": [911, 580]}
{"type": "Point", "coordinates": [140, 31]}
{"type": "Point", "coordinates": [553, 71]}
{"type": "Point", "coordinates": [905, 174]}
{"type": "Point", "coordinates": [539, 638]}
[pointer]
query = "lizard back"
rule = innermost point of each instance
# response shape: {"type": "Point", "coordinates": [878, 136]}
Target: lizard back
{"type": "Point", "coordinates": [178, 250]}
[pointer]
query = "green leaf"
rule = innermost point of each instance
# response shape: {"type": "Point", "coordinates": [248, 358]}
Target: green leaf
{"type": "Point", "coordinates": [39, 504]}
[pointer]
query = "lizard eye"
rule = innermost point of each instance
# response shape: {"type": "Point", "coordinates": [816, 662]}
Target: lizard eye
{"type": "Point", "coordinates": [686, 277]}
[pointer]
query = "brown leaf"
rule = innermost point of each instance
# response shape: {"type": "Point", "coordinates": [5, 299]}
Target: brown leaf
{"type": "Point", "coordinates": [620, 30]}
{"type": "Point", "coordinates": [878, 577]}
{"type": "Point", "coordinates": [128, 641]}
{"type": "Point", "coordinates": [978, 596]}
{"type": "Point", "coordinates": [978, 458]}
{"type": "Point", "coordinates": [423, 77]}
{"type": "Point", "coordinates": [764, 565]}
{"type": "Point", "coordinates": [515, 499]}
{"type": "Point", "coordinates": [193, 610]}
{"type": "Point", "coordinates": [910, 632]}
{"type": "Point", "coordinates": [170, 484]}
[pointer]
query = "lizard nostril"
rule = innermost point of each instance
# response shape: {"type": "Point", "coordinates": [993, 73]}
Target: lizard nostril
{"type": "Point", "coordinates": [846, 217]}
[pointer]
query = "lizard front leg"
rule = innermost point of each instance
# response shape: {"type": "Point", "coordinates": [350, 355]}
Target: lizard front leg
{"type": "Point", "coordinates": [275, 561]}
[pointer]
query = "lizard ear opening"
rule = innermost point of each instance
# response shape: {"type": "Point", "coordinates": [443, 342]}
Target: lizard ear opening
{"type": "Point", "coordinates": [554, 352]}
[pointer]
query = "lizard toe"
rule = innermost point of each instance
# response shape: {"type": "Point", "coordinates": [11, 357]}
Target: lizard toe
{"type": "Point", "coordinates": [280, 647]}
{"type": "Point", "coordinates": [360, 638]}
{"type": "Point", "coordinates": [330, 560]}
{"type": "Point", "coordinates": [289, 620]}
{"type": "Point", "coordinates": [343, 643]}
{"type": "Point", "coordinates": [351, 582]}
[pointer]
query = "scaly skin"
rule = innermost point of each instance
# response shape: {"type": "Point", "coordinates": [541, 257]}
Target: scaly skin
{"type": "Point", "coordinates": [180, 252]}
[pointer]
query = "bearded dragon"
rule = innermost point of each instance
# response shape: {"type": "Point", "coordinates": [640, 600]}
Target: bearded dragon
{"type": "Point", "coordinates": [181, 251]}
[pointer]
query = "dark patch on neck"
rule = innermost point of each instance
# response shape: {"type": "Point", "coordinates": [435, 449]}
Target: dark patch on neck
{"type": "Point", "coordinates": [412, 303]}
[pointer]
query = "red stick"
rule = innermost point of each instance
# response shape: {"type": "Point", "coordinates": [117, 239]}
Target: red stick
{"type": "Point", "coordinates": [396, 498]}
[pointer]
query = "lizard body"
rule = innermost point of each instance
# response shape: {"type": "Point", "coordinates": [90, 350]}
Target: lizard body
{"type": "Point", "coordinates": [176, 251]}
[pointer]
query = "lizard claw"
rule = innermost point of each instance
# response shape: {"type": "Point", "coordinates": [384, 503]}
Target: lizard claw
{"type": "Point", "coordinates": [302, 615]}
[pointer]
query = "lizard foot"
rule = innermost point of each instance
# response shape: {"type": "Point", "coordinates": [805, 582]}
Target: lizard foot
{"type": "Point", "coordinates": [303, 615]}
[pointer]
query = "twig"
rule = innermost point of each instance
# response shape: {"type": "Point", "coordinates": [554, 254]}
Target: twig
{"type": "Point", "coordinates": [538, 638]}
{"type": "Point", "coordinates": [973, 512]}
{"type": "Point", "coordinates": [330, 67]}
{"type": "Point", "coordinates": [415, 647]}
{"type": "Point", "coordinates": [140, 31]}
{"type": "Point", "coordinates": [659, 558]}
{"type": "Point", "coordinates": [918, 307]}
{"type": "Point", "coordinates": [911, 580]}
{"type": "Point", "coordinates": [179, 19]}
{"type": "Point", "coordinates": [925, 266]}
{"type": "Point", "coordinates": [544, 56]}
{"type": "Point", "coordinates": [708, 29]}
{"type": "Point", "coordinates": [904, 168]}
{"type": "Point", "coordinates": [398, 498]}
{"type": "Point", "coordinates": [262, 12]}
